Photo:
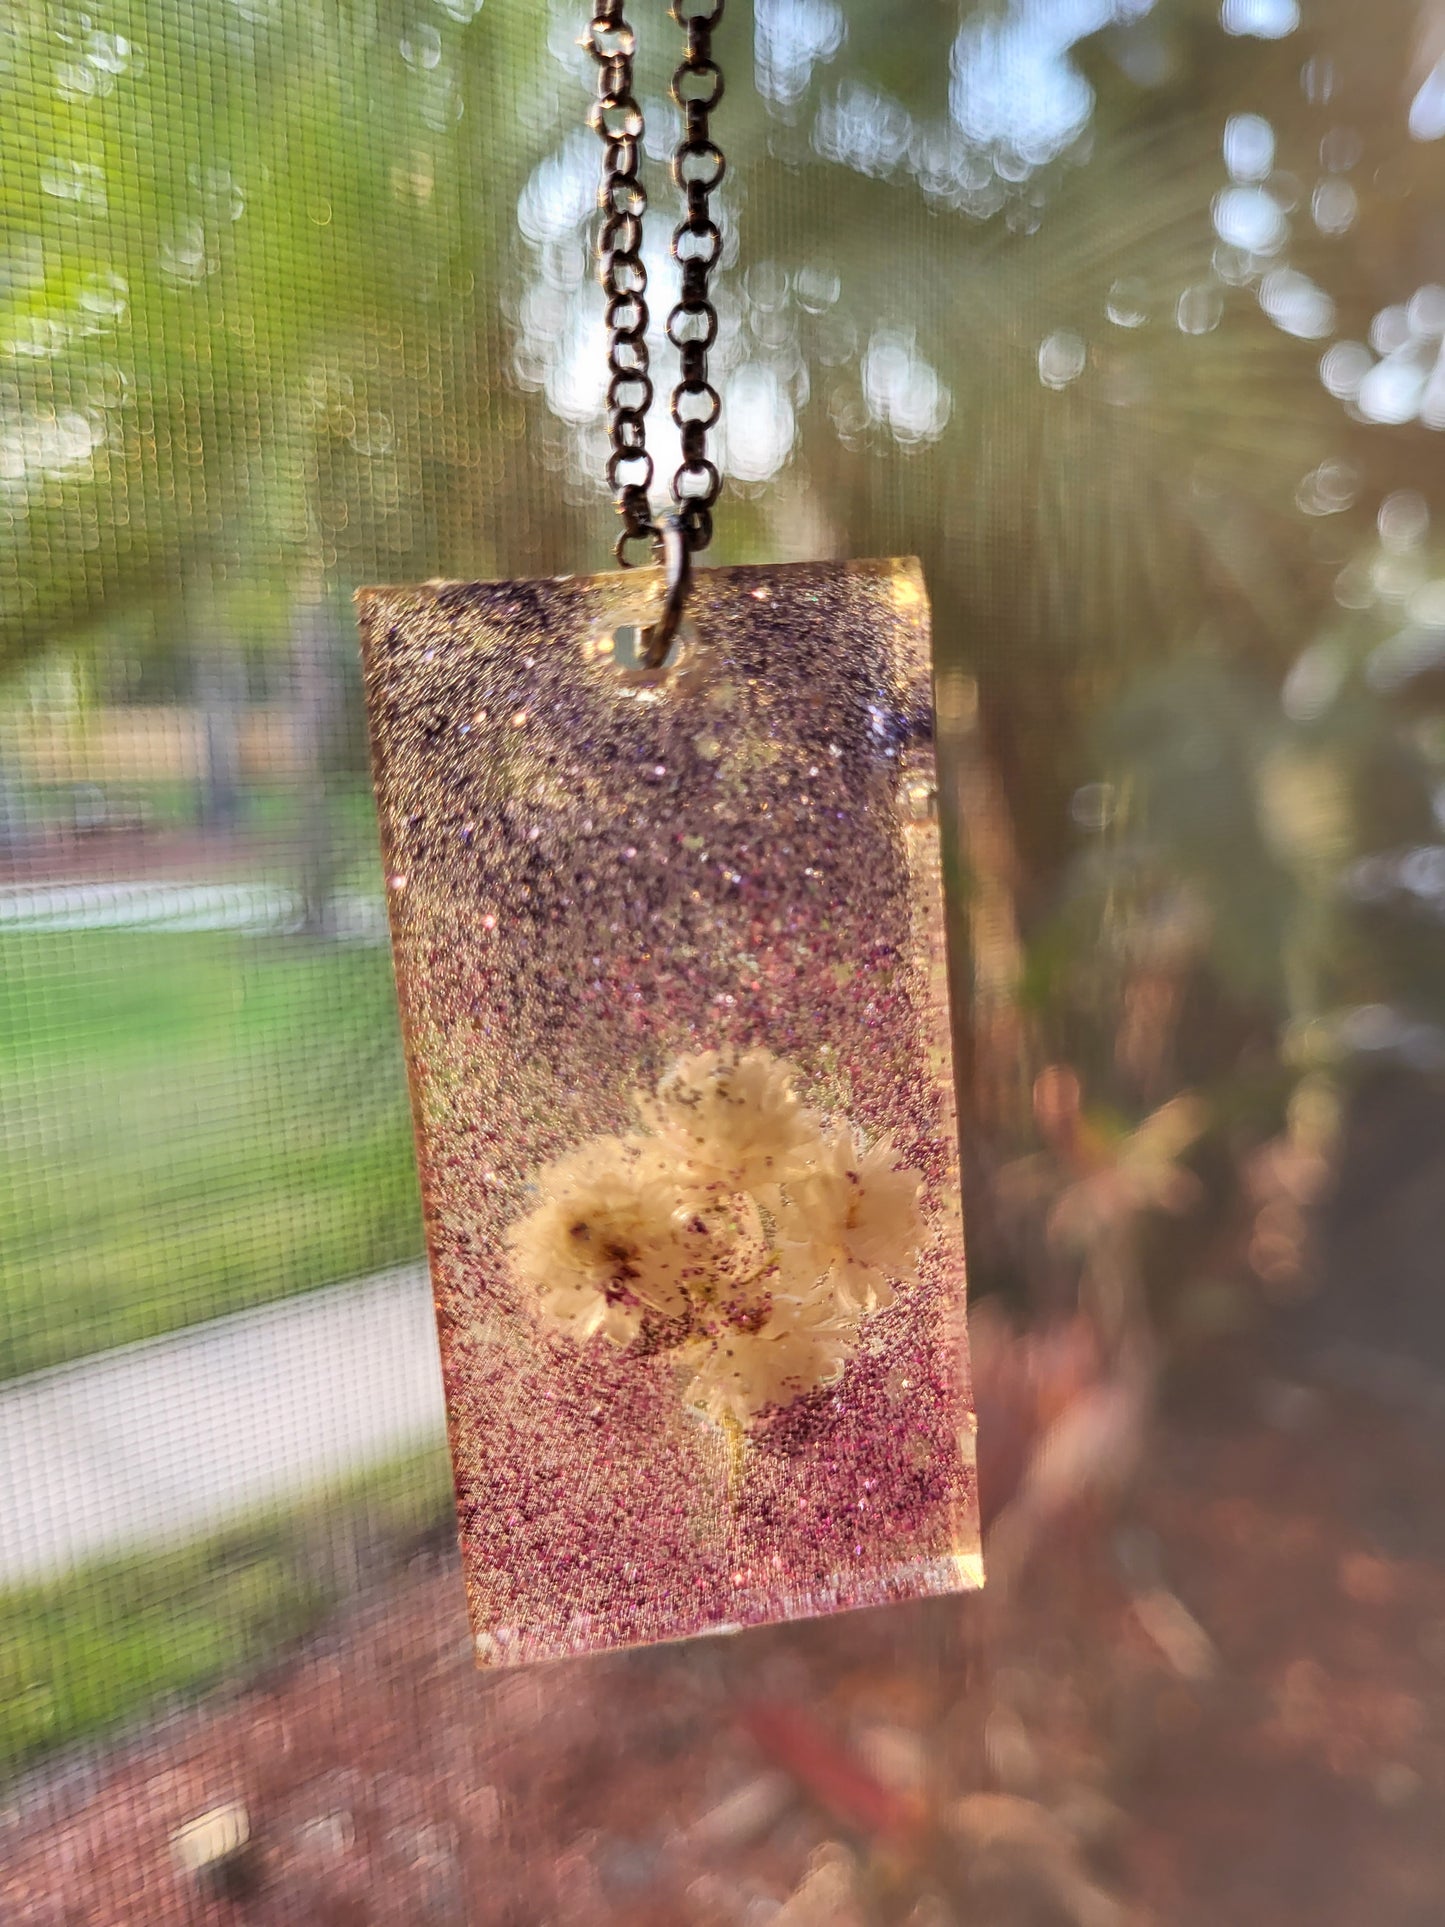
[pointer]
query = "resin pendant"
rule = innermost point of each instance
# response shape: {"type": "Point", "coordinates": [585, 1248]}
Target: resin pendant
{"type": "Point", "coordinates": [670, 953]}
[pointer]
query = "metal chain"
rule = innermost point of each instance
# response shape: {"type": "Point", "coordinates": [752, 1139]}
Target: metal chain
{"type": "Point", "coordinates": [622, 198]}
{"type": "Point", "coordinates": [697, 168]}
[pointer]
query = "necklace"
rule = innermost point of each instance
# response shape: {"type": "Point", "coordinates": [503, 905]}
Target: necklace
{"type": "Point", "coordinates": [670, 952]}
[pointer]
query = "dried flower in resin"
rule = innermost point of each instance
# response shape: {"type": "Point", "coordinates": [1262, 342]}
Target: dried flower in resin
{"type": "Point", "coordinates": [735, 1231]}
{"type": "Point", "coordinates": [851, 1214]}
{"type": "Point", "coordinates": [734, 1121]}
{"type": "Point", "coordinates": [606, 1245]}
{"type": "Point", "coordinates": [798, 1346]}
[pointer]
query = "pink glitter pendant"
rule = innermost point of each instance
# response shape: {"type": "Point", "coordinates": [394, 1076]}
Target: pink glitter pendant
{"type": "Point", "coordinates": [670, 951]}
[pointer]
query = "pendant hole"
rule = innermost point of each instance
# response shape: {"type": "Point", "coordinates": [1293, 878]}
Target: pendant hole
{"type": "Point", "coordinates": [627, 645]}
{"type": "Point", "coordinates": [629, 642]}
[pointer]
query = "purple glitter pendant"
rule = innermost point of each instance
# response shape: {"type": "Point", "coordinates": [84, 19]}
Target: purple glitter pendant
{"type": "Point", "coordinates": [670, 951]}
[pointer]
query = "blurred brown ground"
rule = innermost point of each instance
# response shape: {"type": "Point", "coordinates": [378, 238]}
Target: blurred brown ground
{"type": "Point", "coordinates": [1226, 1702]}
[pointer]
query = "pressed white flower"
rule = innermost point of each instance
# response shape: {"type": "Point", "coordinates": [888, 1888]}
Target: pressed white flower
{"type": "Point", "coordinates": [736, 1260]}
{"type": "Point", "coordinates": [609, 1243]}
{"type": "Point", "coordinates": [798, 1347]}
{"type": "Point", "coordinates": [734, 1235]}
{"type": "Point", "coordinates": [852, 1220]}
{"type": "Point", "coordinates": [733, 1121]}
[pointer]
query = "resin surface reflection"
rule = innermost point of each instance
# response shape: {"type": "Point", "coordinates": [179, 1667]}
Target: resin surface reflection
{"type": "Point", "coordinates": [671, 959]}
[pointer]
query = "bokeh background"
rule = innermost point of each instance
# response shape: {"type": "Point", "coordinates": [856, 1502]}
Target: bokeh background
{"type": "Point", "coordinates": [1127, 317]}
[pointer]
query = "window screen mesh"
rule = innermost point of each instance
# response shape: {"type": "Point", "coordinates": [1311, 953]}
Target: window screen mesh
{"type": "Point", "coordinates": [1127, 318]}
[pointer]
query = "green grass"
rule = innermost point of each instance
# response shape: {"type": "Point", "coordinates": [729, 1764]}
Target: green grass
{"type": "Point", "coordinates": [189, 1125]}
{"type": "Point", "coordinates": [81, 1655]}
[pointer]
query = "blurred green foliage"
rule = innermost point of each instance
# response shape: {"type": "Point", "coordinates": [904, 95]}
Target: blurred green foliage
{"type": "Point", "coordinates": [81, 1654]}
{"type": "Point", "coordinates": [210, 1122]}
{"type": "Point", "coordinates": [264, 248]}
{"type": "Point", "coordinates": [235, 234]}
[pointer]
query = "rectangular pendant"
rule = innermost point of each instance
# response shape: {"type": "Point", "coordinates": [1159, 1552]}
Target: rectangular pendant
{"type": "Point", "coordinates": [670, 954]}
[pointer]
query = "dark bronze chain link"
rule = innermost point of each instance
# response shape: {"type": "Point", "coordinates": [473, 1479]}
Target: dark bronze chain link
{"type": "Point", "coordinates": [697, 167]}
